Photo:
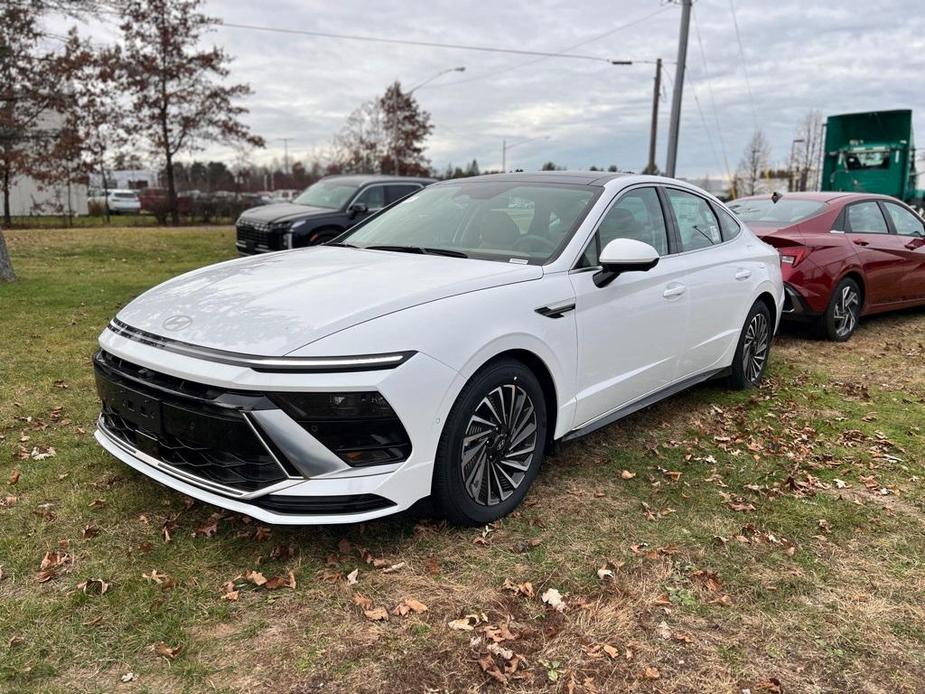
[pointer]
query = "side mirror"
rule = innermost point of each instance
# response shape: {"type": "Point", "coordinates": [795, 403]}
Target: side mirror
{"type": "Point", "coordinates": [624, 255]}
{"type": "Point", "coordinates": [357, 209]}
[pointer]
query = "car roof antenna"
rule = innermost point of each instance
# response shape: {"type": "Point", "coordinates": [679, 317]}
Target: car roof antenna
{"type": "Point", "coordinates": [775, 196]}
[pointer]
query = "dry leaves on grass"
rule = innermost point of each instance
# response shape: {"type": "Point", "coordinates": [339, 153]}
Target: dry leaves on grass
{"type": "Point", "coordinates": [163, 580]}
{"type": "Point", "coordinates": [467, 623]}
{"type": "Point", "coordinates": [210, 527]}
{"type": "Point", "coordinates": [553, 598]}
{"type": "Point", "coordinates": [42, 453]}
{"type": "Point", "coordinates": [52, 564]}
{"type": "Point", "coordinates": [627, 475]}
{"type": "Point", "coordinates": [525, 589]}
{"type": "Point", "coordinates": [90, 530]}
{"type": "Point", "coordinates": [409, 605]}
{"type": "Point", "coordinates": [261, 581]}
{"type": "Point", "coordinates": [162, 650]}
{"type": "Point", "coordinates": [94, 586]}
{"type": "Point", "coordinates": [14, 477]}
{"type": "Point", "coordinates": [230, 591]}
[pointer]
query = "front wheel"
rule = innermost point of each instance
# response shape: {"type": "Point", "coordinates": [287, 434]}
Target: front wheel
{"type": "Point", "coordinates": [841, 315]}
{"type": "Point", "coordinates": [753, 350]}
{"type": "Point", "coordinates": [492, 444]}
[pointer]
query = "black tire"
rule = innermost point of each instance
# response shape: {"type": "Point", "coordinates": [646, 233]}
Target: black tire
{"type": "Point", "coordinates": [754, 348]}
{"type": "Point", "coordinates": [840, 319]}
{"type": "Point", "coordinates": [493, 495]}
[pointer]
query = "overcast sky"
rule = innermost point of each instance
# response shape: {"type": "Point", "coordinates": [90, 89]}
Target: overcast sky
{"type": "Point", "coordinates": [849, 55]}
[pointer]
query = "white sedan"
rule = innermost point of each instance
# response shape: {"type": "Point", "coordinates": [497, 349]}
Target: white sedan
{"type": "Point", "coordinates": [436, 349]}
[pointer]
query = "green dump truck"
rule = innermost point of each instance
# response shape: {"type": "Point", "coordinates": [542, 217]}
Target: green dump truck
{"type": "Point", "coordinates": [872, 152]}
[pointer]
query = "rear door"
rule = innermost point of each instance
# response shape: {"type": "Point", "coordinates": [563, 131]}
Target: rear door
{"type": "Point", "coordinates": [910, 229]}
{"type": "Point", "coordinates": [882, 255]}
{"type": "Point", "coordinates": [717, 281]}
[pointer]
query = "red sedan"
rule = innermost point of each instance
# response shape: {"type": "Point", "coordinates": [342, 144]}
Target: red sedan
{"type": "Point", "coordinates": [843, 255]}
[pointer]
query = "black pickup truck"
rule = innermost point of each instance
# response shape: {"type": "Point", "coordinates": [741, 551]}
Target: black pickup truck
{"type": "Point", "coordinates": [324, 210]}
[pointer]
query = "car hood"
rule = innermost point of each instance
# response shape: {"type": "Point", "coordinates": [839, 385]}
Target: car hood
{"type": "Point", "coordinates": [283, 211]}
{"type": "Point", "coordinates": [273, 304]}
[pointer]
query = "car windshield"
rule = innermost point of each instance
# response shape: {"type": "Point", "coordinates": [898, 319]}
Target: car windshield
{"type": "Point", "coordinates": [506, 221]}
{"type": "Point", "coordinates": [330, 194]}
{"type": "Point", "coordinates": [766, 211]}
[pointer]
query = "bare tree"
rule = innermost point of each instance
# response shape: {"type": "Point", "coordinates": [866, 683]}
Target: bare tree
{"type": "Point", "coordinates": [361, 144]}
{"type": "Point", "coordinates": [179, 100]}
{"type": "Point", "coordinates": [752, 166]}
{"type": "Point", "coordinates": [805, 152]}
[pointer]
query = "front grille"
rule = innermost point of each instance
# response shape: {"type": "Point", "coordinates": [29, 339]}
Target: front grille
{"type": "Point", "coordinates": [199, 431]}
{"type": "Point", "coordinates": [257, 234]}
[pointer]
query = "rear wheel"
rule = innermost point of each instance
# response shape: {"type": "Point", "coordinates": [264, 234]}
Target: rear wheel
{"type": "Point", "coordinates": [840, 319]}
{"type": "Point", "coordinates": [751, 357]}
{"type": "Point", "coordinates": [492, 445]}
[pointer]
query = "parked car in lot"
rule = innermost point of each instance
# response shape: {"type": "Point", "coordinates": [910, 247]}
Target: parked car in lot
{"type": "Point", "coordinates": [436, 349]}
{"type": "Point", "coordinates": [844, 255]}
{"type": "Point", "coordinates": [116, 201]}
{"type": "Point", "coordinates": [321, 212]}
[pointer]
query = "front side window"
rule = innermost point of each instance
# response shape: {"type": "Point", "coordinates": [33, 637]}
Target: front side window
{"type": "Point", "coordinates": [866, 218]}
{"type": "Point", "coordinates": [906, 223]}
{"type": "Point", "coordinates": [329, 194]}
{"type": "Point", "coordinates": [636, 215]}
{"type": "Point", "coordinates": [399, 190]}
{"type": "Point", "coordinates": [507, 221]}
{"type": "Point", "coordinates": [373, 197]}
{"type": "Point", "coordinates": [697, 225]}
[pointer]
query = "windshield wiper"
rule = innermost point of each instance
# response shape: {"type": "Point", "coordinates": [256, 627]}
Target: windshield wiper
{"type": "Point", "coordinates": [420, 250]}
{"type": "Point", "coordinates": [342, 245]}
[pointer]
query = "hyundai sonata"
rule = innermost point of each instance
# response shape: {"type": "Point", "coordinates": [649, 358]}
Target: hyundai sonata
{"type": "Point", "coordinates": [436, 349]}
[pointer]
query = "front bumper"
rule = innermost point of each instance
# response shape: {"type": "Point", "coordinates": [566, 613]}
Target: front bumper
{"type": "Point", "coordinates": [313, 485]}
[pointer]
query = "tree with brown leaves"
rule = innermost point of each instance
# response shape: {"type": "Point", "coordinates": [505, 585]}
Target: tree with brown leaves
{"type": "Point", "coordinates": [179, 100]}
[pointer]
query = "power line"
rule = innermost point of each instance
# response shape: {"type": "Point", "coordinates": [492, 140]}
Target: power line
{"type": "Point", "coordinates": [411, 42]}
{"type": "Point", "coordinates": [748, 85]}
{"type": "Point", "coordinates": [495, 73]}
{"type": "Point", "coordinates": [709, 81]}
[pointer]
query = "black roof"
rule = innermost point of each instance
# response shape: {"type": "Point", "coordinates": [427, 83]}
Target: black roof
{"type": "Point", "coordinates": [574, 177]}
{"type": "Point", "coordinates": [363, 179]}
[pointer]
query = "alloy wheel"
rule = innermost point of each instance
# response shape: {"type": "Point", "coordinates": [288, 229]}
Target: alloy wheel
{"type": "Point", "coordinates": [755, 351]}
{"type": "Point", "coordinates": [499, 444]}
{"type": "Point", "coordinates": [845, 311]}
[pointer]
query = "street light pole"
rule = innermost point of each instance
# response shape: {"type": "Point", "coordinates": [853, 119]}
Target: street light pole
{"type": "Point", "coordinates": [675, 125]}
{"type": "Point", "coordinates": [505, 147]}
{"type": "Point", "coordinates": [460, 68]}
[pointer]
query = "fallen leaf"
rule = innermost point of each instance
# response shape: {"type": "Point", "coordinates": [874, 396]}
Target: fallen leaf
{"type": "Point", "coordinates": [95, 586]}
{"type": "Point", "coordinates": [14, 477]}
{"type": "Point", "coordinates": [97, 503]}
{"type": "Point", "coordinates": [651, 673]}
{"type": "Point", "coordinates": [627, 475]}
{"type": "Point", "coordinates": [467, 623]}
{"type": "Point", "coordinates": [262, 533]}
{"type": "Point", "coordinates": [394, 567]}
{"type": "Point", "coordinates": [163, 580]}
{"type": "Point", "coordinates": [352, 577]}
{"type": "Point", "coordinates": [610, 650]}
{"type": "Point", "coordinates": [553, 598]}
{"type": "Point", "coordinates": [128, 677]}
{"type": "Point", "coordinates": [277, 582]}
{"type": "Point", "coordinates": [377, 614]}
{"type": "Point", "coordinates": [89, 531]}
{"type": "Point", "coordinates": [490, 668]}
{"type": "Point", "coordinates": [255, 577]}
{"type": "Point", "coordinates": [42, 453]}
{"type": "Point", "coordinates": [363, 602]}
{"type": "Point", "coordinates": [165, 651]}
{"type": "Point", "coordinates": [409, 605]}
{"type": "Point", "coordinates": [209, 528]}
{"type": "Point", "coordinates": [604, 572]}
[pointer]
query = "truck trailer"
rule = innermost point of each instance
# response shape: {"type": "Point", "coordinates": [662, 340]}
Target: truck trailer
{"type": "Point", "coordinates": [872, 152]}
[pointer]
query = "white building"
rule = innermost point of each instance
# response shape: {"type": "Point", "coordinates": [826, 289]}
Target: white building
{"type": "Point", "coordinates": [29, 197]}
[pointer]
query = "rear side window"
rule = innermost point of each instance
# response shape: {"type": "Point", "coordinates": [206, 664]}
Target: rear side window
{"type": "Point", "coordinates": [373, 197]}
{"type": "Point", "coordinates": [727, 224]}
{"type": "Point", "coordinates": [866, 218]}
{"type": "Point", "coordinates": [697, 225]}
{"type": "Point", "coordinates": [906, 223]}
{"type": "Point", "coordinates": [398, 191]}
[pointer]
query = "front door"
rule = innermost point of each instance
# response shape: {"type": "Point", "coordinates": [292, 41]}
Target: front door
{"type": "Point", "coordinates": [910, 229]}
{"type": "Point", "coordinates": [631, 330]}
{"type": "Point", "coordinates": [882, 254]}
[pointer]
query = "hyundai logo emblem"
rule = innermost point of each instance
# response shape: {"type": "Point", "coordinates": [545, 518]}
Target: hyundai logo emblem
{"type": "Point", "coordinates": [175, 323]}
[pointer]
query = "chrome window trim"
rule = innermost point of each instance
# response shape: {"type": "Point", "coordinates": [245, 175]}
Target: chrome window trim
{"type": "Point", "coordinates": [357, 362]}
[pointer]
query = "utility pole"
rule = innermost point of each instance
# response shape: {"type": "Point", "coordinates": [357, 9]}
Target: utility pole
{"type": "Point", "coordinates": [503, 156]}
{"type": "Point", "coordinates": [650, 168]}
{"type": "Point", "coordinates": [675, 125]}
{"type": "Point", "coordinates": [286, 141]}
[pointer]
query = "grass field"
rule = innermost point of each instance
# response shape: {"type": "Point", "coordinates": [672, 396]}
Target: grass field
{"type": "Point", "coordinates": [771, 540]}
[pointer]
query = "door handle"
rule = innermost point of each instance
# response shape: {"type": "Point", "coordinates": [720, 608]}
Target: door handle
{"type": "Point", "coordinates": [743, 274]}
{"type": "Point", "coordinates": [674, 290]}
{"type": "Point", "coordinates": [858, 242]}
{"type": "Point", "coordinates": [913, 245]}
